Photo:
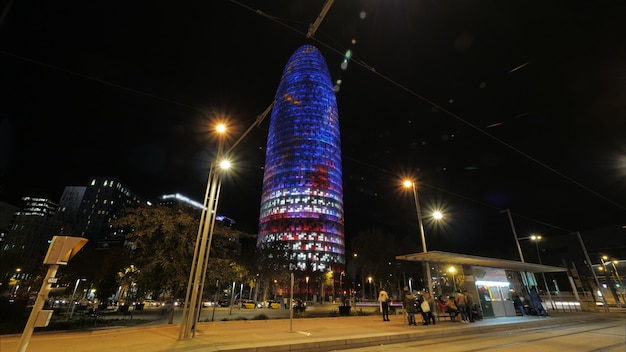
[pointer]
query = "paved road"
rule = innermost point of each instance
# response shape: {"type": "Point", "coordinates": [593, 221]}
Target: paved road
{"type": "Point", "coordinates": [311, 334]}
{"type": "Point", "coordinates": [607, 335]}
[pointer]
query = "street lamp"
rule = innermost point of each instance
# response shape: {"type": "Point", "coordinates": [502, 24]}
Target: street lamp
{"type": "Point", "coordinates": [341, 281]}
{"type": "Point", "coordinates": [369, 279]}
{"type": "Point", "coordinates": [536, 239]}
{"type": "Point", "coordinates": [73, 294]}
{"type": "Point", "coordinates": [307, 289]}
{"type": "Point", "coordinates": [197, 274]}
{"type": "Point", "coordinates": [618, 281]}
{"type": "Point", "coordinates": [411, 184]}
{"type": "Point", "coordinates": [193, 301]}
{"type": "Point", "coordinates": [593, 272]}
{"type": "Point", "coordinates": [452, 270]}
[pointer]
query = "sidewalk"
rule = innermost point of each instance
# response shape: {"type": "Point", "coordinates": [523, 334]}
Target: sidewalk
{"type": "Point", "coordinates": [308, 334]}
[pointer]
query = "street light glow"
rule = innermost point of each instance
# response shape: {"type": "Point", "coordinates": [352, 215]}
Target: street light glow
{"type": "Point", "coordinates": [225, 164]}
{"type": "Point", "coordinates": [407, 183]}
{"type": "Point", "coordinates": [220, 128]}
{"type": "Point", "coordinates": [437, 215]}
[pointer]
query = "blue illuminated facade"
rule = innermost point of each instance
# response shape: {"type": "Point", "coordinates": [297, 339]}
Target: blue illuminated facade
{"type": "Point", "coordinates": [302, 200]}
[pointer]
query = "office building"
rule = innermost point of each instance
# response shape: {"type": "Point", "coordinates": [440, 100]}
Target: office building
{"type": "Point", "coordinates": [302, 197]}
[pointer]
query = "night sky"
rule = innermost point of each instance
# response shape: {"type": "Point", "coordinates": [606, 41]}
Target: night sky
{"type": "Point", "coordinates": [489, 104]}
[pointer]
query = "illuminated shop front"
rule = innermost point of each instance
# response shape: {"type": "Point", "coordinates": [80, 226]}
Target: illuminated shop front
{"type": "Point", "coordinates": [494, 291]}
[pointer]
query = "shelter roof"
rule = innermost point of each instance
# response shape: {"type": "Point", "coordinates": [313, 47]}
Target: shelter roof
{"type": "Point", "coordinates": [466, 259]}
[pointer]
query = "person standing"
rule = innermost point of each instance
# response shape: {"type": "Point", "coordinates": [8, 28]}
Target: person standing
{"type": "Point", "coordinates": [428, 305]}
{"type": "Point", "coordinates": [459, 297]}
{"type": "Point", "coordinates": [410, 307]}
{"type": "Point", "coordinates": [535, 299]}
{"type": "Point", "coordinates": [469, 302]}
{"type": "Point", "coordinates": [383, 299]}
{"type": "Point", "coordinates": [517, 302]}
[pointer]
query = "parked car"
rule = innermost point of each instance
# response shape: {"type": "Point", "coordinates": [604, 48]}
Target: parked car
{"type": "Point", "coordinates": [271, 304]}
{"type": "Point", "coordinates": [250, 304]}
{"type": "Point", "coordinates": [151, 303]}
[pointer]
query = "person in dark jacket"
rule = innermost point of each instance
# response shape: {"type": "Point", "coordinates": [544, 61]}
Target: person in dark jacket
{"type": "Point", "coordinates": [535, 299]}
{"type": "Point", "coordinates": [519, 305]}
{"type": "Point", "coordinates": [410, 307]}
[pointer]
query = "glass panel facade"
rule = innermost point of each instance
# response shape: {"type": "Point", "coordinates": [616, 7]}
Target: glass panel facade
{"type": "Point", "coordinates": [302, 199]}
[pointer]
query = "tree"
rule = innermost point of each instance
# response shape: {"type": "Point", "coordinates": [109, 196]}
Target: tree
{"type": "Point", "coordinates": [273, 263]}
{"type": "Point", "coordinates": [163, 241]}
{"type": "Point", "coordinates": [376, 251]}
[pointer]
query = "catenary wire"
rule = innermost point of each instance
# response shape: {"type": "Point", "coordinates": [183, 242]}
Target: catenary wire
{"type": "Point", "coordinates": [352, 59]}
{"type": "Point", "coordinates": [441, 108]}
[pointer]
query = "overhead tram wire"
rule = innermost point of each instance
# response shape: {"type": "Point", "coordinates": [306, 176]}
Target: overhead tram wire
{"type": "Point", "coordinates": [460, 196]}
{"type": "Point", "coordinates": [139, 92]}
{"type": "Point", "coordinates": [101, 81]}
{"type": "Point", "coordinates": [435, 105]}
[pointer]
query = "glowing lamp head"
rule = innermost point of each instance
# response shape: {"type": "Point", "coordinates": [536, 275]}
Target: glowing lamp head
{"type": "Point", "coordinates": [225, 164]}
{"type": "Point", "coordinates": [437, 215]}
{"type": "Point", "coordinates": [407, 183]}
{"type": "Point", "coordinates": [220, 128]}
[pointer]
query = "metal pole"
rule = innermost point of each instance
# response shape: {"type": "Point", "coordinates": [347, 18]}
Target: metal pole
{"type": "Point", "coordinates": [619, 281]}
{"type": "Point", "coordinates": [519, 249]}
{"type": "Point", "coordinates": [232, 298]}
{"type": "Point", "coordinates": [211, 215]}
{"type": "Point", "coordinates": [291, 305]}
{"type": "Point", "coordinates": [545, 282]}
{"type": "Point", "coordinates": [187, 317]}
{"type": "Point", "coordinates": [191, 309]}
{"type": "Point", "coordinates": [595, 277]}
{"type": "Point", "coordinates": [453, 281]}
{"type": "Point", "coordinates": [609, 277]}
{"type": "Point", "coordinates": [72, 298]}
{"type": "Point", "coordinates": [429, 279]}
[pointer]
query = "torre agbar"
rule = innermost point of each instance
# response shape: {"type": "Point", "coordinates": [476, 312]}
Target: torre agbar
{"type": "Point", "coordinates": [302, 199]}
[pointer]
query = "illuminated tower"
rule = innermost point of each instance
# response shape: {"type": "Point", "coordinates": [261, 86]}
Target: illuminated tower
{"type": "Point", "coordinates": [302, 200]}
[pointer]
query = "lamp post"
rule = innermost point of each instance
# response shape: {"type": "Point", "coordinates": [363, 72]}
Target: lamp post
{"type": "Point", "coordinates": [72, 298]}
{"type": "Point", "coordinates": [452, 270]}
{"type": "Point", "coordinates": [197, 274]}
{"type": "Point", "coordinates": [341, 281]}
{"type": "Point", "coordinates": [519, 249]}
{"type": "Point", "coordinates": [609, 274]}
{"type": "Point", "coordinates": [536, 239]}
{"type": "Point", "coordinates": [619, 280]}
{"type": "Point", "coordinates": [369, 279]}
{"type": "Point", "coordinates": [193, 301]}
{"type": "Point", "coordinates": [307, 289]}
{"type": "Point", "coordinates": [411, 184]}
{"type": "Point", "coordinates": [593, 272]}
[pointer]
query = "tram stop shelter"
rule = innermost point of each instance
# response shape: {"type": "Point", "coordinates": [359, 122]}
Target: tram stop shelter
{"type": "Point", "coordinates": [492, 280]}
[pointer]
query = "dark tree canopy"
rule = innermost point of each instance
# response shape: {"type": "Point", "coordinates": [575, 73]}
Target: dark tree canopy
{"type": "Point", "coordinates": [163, 241]}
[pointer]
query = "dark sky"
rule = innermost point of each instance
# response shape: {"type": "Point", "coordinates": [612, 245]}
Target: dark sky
{"type": "Point", "coordinates": [491, 104]}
